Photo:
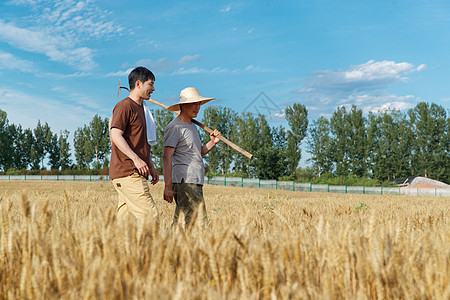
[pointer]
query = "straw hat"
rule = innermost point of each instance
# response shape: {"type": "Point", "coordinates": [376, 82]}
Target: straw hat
{"type": "Point", "coordinates": [189, 95]}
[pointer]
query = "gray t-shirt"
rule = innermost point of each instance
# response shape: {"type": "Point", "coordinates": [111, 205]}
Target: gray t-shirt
{"type": "Point", "coordinates": [187, 159]}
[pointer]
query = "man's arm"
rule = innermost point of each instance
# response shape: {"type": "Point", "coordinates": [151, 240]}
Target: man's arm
{"type": "Point", "coordinates": [117, 138]}
{"type": "Point", "coordinates": [212, 143]}
{"type": "Point", "coordinates": [167, 171]}
{"type": "Point", "coordinates": [153, 173]}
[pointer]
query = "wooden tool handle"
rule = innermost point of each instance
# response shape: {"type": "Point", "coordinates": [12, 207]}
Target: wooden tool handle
{"type": "Point", "coordinates": [206, 128]}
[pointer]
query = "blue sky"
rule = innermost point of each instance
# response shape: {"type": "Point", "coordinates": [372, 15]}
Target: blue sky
{"type": "Point", "coordinates": [60, 60]}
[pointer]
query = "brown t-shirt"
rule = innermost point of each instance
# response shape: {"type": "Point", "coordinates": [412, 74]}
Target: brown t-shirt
{"type": "Point", "coordinates": [129, 117]}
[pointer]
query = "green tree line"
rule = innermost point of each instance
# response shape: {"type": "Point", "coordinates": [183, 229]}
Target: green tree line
{"type": "Point", "coordinates": [380, 146]}
{"type": "Point", "coordinates": [383, 146]}
{"type": "Point", "coordinates": [40, 148]}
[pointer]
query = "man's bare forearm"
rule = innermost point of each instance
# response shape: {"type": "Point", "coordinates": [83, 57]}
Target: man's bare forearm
{"type": "Point", "coordinates": [207, 147]}
{"type": "Point", "coordinates": [167, 166]}
{"type": "Point", "coordinates": [120, 142]}
{"type": "Point", "coordinates": [167, 171]}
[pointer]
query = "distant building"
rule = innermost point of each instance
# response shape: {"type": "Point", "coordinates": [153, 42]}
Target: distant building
{"type": "Point", "coordinates": [420, 182]}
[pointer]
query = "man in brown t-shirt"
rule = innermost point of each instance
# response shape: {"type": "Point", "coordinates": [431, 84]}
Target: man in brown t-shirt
{"type": "Point", "coordinates": [131, 163]}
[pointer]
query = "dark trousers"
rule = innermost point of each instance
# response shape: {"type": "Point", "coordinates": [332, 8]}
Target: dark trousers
{"type": "Point", "coordinates": [189, 199]}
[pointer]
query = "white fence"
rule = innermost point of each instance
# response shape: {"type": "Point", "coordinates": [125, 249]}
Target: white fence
{"type": "Point", "coordinates": [263, 184]}
{"type": "Point", "coordinates": [56, 177]}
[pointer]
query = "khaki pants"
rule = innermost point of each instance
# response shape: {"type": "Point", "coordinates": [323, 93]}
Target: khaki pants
{"type": "Point", "coordinates": [189, 200]}
{"type": "Point", "coordinates": [135, 198]}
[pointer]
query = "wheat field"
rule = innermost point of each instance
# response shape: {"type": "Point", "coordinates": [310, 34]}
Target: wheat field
{"type": "Point", "coordinates": [60, 240]}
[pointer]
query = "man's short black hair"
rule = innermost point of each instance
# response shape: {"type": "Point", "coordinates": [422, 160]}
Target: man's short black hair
{"type": "Point", "coordinates": [140, 73]}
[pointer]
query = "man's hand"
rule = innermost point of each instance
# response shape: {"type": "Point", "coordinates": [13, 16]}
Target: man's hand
{"type": "Point", "coordinates": [212, 143]}
{"type": "Point", "coordinates": [154, 174]}
{"type": "Point", "coordinates": [214, 136]}
{"type": "Point", "coordinates": [168, 193]}
{"type": "Point", "coordinates": [141, 166]}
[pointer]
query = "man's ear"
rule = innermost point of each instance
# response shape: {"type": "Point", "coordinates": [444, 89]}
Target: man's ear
{"type": "Point", "coordinates": [137, 84]}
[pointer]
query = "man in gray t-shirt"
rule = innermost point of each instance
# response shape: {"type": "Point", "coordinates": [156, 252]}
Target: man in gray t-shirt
{"type": "Point", "coordinates": [182, 159]}
{"type": "Point", "coordinates": [187, 162]}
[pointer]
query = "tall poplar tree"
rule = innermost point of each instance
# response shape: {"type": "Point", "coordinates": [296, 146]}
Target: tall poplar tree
{"type": "Point", "coordinates": [248, 133]}
{"type": "Point", "coordinates": [54, 155]}
{"type": "Point", "coordinates": [358, 141]}
{"type": "Point", "coordinates": [64, 150]}
{"type": "Point", "coordinates": [348, 147]}
{"type": "Point", "coordinates": [428, 124]}
{"type": "Point", "coordinates": [81, 143]}
{"type": "Point", "coordinates": [270, 159]}
{"type": "Point", "coordinates": [297, 118]}
{"type": "Point", "coordinates": [447, 152]}
{"type": "Point", "coordinates": [42, 136]}
{"type": "Point", "coordinates": [340, 142]}
{"type": "Point", "coordinates": [162, 118]}
{"type": "Point", "coordinates": [279, 138]}
{"type": "Point", "coordinates": [223, 119]}
{"type": "Point", "coordinates": [99, 143]}
{"type": "Point", "coordinates": [6, 147]}
{"type": "Point", "coordinates": [389, 145]}
{"type": "Point", "coordinates": [27, 141]}
{"type": "Point", "coordinates": [21, 154]}
{"type": "Point", "coordinates": [92, 144]}
{"type": "Point", "coordinates": [319, 145]}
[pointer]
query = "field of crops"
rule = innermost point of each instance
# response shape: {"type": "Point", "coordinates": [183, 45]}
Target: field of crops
{"type": "Point", "coordinates": [60, 240]}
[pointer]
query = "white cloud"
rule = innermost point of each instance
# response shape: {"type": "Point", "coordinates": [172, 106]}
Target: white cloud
{"type": "Point", "coordinates": [421, 67]}
{"type": "Point", "coordinates": [379, 101]}
{"type": "Point", "coordinates": [368, 76]}
{"type": "Point", "coordinates": [373, 71]}
{"type": "Point", "coordinates": [55, 48]}
{"type": "Point", "coordinates": [362, 85]}
{"type": "Point", "coordinates": [73, 19]}
{"type": "Point", "coordinates": [119, 73]}
{"type": "Point", "coordinates": [234, 7]}
{"type": "Point", "coordinates": [257, 69]}
{"type": "Point", "coordinates": [188, 58]}
{"type": "Point", "coordinates": [24, 2]}
{"type": "Point", "coordinates": [10, 62]}
{"type": "Point", "coordinates": [32, 2]}
{"type": "Point", "coordinates": [194, 70]}
{"type": "Point", "coordinates": [390, 106]}
{"type": "Point", "coordinates": [58, 28]}
{"type": "Point", "coordinates": [276, 117]}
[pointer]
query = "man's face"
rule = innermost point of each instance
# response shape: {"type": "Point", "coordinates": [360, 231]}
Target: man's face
{"type": "Point", "coordinates": [191, 109]}
{"type": "Point", "coordinates": [146, 88]}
